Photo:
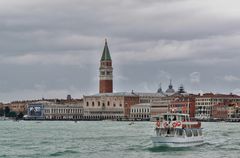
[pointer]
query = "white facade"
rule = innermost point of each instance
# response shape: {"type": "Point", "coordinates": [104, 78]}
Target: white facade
{"type": "Point", "coordinates": [105, 105]}
{"type": "Point", "coordinates": [141, 111]}
{"type": "Point", "coordinates": [63, 112]}
{"type": "Point", "coordinates": [204, 107]}
{"type": "Point", "coordinates": [53, 111]}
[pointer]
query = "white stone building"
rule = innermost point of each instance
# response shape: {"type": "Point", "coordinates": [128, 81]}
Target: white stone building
{"type": "Point", "coordinates": [141, 111]}
{"type": "Point", "coordinates": [52, 111]}
{"type": "Point", "coordinates": [109, 105]}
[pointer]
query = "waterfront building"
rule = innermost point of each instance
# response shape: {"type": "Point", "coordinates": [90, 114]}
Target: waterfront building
{"type": "Point", "coordinates": [109, 105]}
{"type": "Point", "coordinates": [220, 111]}
{"type": "Point", "coordinates": [54, 111]}
{"type": "Point", "coordinates": [184, 104]}
{"type": "Point", "coordinates": [234, 110]}
{"type": "Point", "coordinates": [226, 111]}
{"type": "Point", "coordinates": [148, 97]}
{"type": "Point", "coordinates": [141, 111]}
{"type": "Point", "coordinates": [205, 103]}
{"type": "Point", "coordinates": [18, 106]}
{"type": "Point", "coordinates": [63, 112]}
{"type": "Point", "coordinates": [161, 105]}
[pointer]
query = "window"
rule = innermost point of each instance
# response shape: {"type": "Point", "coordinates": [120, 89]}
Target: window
{"type": "Point", "coordinates": [99, 103]}
{"type": "Point", "coordinates": [87, 103]}
{"type": "Point", "coordinates": [120, 105]}
{"type": "Point", "coordinates": [92, 103]}
{"type": "Point", "coordinates": [108, 103]}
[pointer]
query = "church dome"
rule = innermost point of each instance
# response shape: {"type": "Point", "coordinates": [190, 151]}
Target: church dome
{"type": "Point", "coordinates": [170, 88]}
{"type": "Point", "coordinates": [160, 89]}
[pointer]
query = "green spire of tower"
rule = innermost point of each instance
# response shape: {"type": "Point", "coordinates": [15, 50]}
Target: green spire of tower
{"type": "Point", "coordinates": [106, 54]}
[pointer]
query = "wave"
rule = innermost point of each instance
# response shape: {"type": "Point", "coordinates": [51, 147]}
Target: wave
{"type": "Point", "coordinates": [61, 153]}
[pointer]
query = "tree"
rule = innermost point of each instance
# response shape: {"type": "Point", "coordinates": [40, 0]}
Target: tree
{"type": "Point", "coordinates": [1, 112]}
{"type": "Point", "coordinates": [12, 114]}
{"type": "Point", "coordinates": [7, 111]}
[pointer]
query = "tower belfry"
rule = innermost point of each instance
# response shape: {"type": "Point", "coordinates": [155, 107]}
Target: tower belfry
{"type": "Point", "coordinates": [105, 70]}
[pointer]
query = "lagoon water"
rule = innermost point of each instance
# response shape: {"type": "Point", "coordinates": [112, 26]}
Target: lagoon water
{"type": "Point", "coordinates": [108, 139]}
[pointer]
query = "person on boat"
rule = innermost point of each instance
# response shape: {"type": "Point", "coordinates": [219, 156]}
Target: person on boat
{"type": "Point", "coordinates": [174, 118]}
{"type": "Point", "coordinates": [158, 123]}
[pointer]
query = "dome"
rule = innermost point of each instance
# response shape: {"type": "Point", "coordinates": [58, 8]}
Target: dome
{"type": "Point", "coordinates": [170, 88]}
{"type": "Point", "coordinates": [160, 89]}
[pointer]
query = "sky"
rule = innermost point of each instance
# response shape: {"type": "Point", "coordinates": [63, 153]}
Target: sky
{"type": "Point", "coordinates": [49, 49]}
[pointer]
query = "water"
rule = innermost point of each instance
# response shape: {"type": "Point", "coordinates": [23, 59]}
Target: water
{"type": "Point", "coordinates": [105, 139]}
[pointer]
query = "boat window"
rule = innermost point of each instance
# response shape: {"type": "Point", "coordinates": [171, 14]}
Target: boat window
{"type": "Point", "coordinates": [165, 117]}
{"type": "Point", "coordinates": [179, 132]}
{"type": "Point", "coordinates": [174, 118]}
{"type": "Point", "coordinates": [161, 119]}
{"type": "Point", "coordinates": [188, 133]}
{"type": "Point", "coordinates": [200, 132]}
{"type": "Point", "coordinates": [183, 118]}
{"type": "Point", "coordinates": [195, 133]}
{"type": "Point", "coordinates": [179, 118]}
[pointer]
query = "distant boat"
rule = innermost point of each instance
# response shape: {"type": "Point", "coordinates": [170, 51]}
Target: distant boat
{"type": "Point", "coordinates": [3, 118]}
{"type": "Point", "coordinates": [177, 130]}
{"type": "Point", "coordinates": [131, 123]}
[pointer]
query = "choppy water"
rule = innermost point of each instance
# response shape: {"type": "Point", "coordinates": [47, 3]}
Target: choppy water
{"type": "Point", "coordinates": [105, 139]}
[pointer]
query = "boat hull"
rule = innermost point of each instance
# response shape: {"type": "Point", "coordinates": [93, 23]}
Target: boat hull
{"type": "Point", "coordinates": [177, 141]}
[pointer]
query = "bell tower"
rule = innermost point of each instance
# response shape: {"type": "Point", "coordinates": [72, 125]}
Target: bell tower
{"type": "Point", "coordinates": [106, 71]}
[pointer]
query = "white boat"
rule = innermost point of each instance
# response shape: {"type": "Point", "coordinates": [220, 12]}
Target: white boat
{"type": "Point", "coordinates": [131, 123]}
{"type": "Point", "coordinates": [177, 130]}
{"type": "Point", "coordinates": [3, 118]}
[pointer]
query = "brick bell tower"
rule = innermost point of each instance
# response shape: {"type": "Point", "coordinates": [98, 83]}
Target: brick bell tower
{"type": "Point", "coordinates": [105, 70]}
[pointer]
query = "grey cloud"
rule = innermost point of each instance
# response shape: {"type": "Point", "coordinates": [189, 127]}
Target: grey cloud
{"type": "Point", "coordinates": [54, 45]}
{"type": "Point", "coordinates": [195, 77]}
{"type": "Point", "coordinates": [231, 78]}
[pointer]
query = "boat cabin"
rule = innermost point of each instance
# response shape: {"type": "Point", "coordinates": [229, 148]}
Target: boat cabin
{"type": "Point", "coordinates": [175, 120]}
{"type": "Point", "coordinates": [173, 117]}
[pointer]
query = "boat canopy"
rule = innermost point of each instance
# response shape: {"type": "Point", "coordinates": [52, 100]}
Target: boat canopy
{"type": "Point", "coordinates": [172, 117]}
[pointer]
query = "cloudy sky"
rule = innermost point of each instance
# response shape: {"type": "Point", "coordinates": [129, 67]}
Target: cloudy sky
{"type": "Point", "coordinates": [51, 48]}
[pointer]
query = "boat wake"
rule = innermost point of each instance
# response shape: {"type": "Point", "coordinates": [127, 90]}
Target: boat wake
{"type": "Point", "coordinates": [168, 149]}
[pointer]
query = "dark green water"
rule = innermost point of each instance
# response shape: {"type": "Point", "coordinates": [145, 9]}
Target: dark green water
{"type": "Point", "coordinates": [105, 139]}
